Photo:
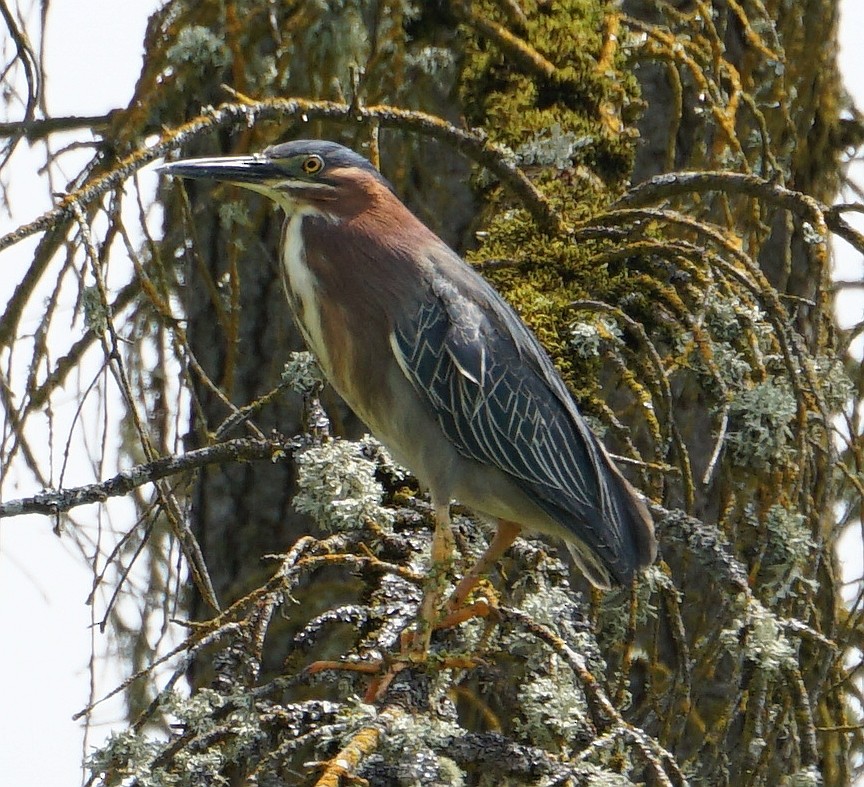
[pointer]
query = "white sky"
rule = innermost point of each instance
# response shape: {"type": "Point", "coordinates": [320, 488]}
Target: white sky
{"type": "Point", "coordinates": [46, 625]}
{"type": "Point", "coordinates": [43, 585]}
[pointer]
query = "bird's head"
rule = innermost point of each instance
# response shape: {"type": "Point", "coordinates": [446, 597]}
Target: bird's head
{"type": "Point", "coordinates": [305, 174]}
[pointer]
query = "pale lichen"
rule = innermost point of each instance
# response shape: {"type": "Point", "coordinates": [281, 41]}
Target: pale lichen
{"type": "Point", "coordinates": [836, 387]}
{"type": "Point", "coordinates": [806, 777]}
{"type": "Point", "coordinates": [199, 48]}
{"type": "Point", "coordinates": [760, 432]}
{"type": "Point", "coordinates": [302, 373]}
{"type": "Point", "coordinates": [587, 337]}
{"type": "Point", "coordinates": [788, 552]}
{"type": "Point", "coordinates": [338, 488]}
{"type": "Point", "coordinates": [417, 743]}
{"type": "Point", "coordinates": [95, 314]}
{"type": "Point", "coordinates": [757, 635]}
{"type": "Point", "coordinates": [551, 147]}
{"type": "Point", "coordinates": [727, 317]}
{"type": "Point", "coordinates": [595, 776]}
{"type": "Point", "coordinates": [433, 61]}
{"type": "Point", "coordinates": [232, 214]}
{"type": "Point", "coordinates": [555, 713]}
{"type": "Point", "coordinates": [204, 713]}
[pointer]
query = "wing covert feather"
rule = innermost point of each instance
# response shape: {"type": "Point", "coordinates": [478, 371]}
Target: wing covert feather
{"type": "Point", "coordinates": [500, 401]}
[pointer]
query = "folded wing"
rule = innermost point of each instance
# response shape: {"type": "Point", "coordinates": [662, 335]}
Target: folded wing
{"type": "Point", "coordinates": [500, 401]}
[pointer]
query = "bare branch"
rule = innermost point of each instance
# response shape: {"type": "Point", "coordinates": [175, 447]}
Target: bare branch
{"type": "Point", "coordinates": [40, 128]}
{"type": "Point", "coordinates": [60, 501]}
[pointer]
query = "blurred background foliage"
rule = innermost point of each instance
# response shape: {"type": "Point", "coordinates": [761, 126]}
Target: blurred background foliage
{"type": "Point", "coordinates": [685, 155]}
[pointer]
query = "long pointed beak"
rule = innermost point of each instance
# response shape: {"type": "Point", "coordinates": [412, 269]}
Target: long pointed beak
{"type": "Point", "coordinates": [259, 169]}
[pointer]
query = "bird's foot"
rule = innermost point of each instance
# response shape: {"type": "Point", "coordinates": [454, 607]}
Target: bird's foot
{"type": "Point", "coordinates": [366, 667]}
{"type": "Point", "coordinates": [414, 641]}
{"type": "Point", "coordinates": [380, 684]}
{"type": "Point", "coordinates": [482, 608]}
{"type": "Point", "coordinates": [383, 671]}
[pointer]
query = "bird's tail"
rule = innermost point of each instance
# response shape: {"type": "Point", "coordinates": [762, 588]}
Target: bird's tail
{"type": "Point", "coordinates": [628, 544]}
{"type": "Point", "coordinates": [637, 547]}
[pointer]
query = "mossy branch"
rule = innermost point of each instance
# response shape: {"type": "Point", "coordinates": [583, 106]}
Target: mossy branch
{"type": "Point", "coordinates": [474, 145]}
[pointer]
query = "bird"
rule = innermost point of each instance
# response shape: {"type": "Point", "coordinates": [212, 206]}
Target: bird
{"type": "Point", "coordinates": [438, 366]}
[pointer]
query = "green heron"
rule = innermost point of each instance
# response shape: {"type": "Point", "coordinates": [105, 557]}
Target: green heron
{"type": "Point", "coordinates": [437, 365]}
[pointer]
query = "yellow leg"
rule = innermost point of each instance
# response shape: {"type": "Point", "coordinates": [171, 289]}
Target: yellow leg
{"type": "Point", "coordinates": [505, 535]}
{"type": "Point", "coordinates": [415, 644]}
{"type": "Point", "coordinates": [430, 614]}
{"type": "Point", "coordinates": [443, 545]}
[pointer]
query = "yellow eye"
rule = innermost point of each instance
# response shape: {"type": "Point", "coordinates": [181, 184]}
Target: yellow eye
{"type": "Point", "coordinates": [312, 164]}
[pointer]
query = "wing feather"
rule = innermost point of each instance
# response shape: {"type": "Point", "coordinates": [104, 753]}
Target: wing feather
{"type": "Point", "coordinates": [500, 401]}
